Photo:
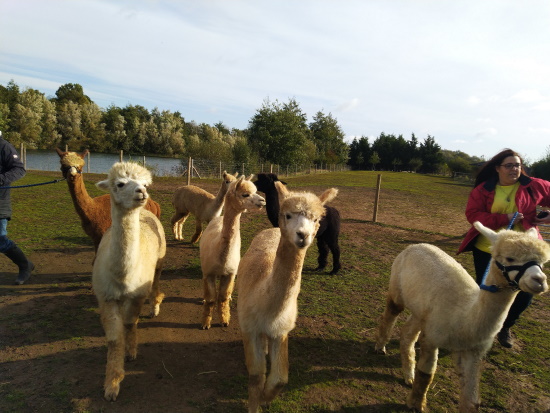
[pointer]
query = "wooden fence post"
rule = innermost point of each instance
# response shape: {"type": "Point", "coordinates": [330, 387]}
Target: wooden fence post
{"type": "Point", "coordinates": [189, 170]}
{"type": "Point", "coordinates": [121, 155]}
{"type": "Point", "coordinates": [377, 197]}
{"type": "Point", "coordinates": [88, 162]}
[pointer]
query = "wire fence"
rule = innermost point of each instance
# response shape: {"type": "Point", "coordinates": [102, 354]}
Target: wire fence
{"type": "Point", "coordinates": [42, 160]}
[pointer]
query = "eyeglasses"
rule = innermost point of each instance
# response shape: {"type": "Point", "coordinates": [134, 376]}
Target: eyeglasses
{"type": "Point", "coordinates": [511, 165]}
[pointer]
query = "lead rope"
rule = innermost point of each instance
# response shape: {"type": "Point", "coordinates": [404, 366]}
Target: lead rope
{"type": "Point", "coordinates": [26, 186]}
{"type": "Point", "coordinates": [494, 288]}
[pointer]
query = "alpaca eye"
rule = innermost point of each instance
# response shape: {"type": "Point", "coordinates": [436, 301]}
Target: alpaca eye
{"type": "Point", "coordinates": [246, 195]}
{"type": "Point", "coordinates": [288, 216]}
{"type": "Point", "coordinates": [120, 184]}
{"type": "Point", "coordinates": [509, 259]}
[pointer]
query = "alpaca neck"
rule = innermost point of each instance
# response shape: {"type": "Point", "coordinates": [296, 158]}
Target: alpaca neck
{"type": "Point", "coordinates": [490, 307]}
{"type": "Point", "coordinates": [220, 197]}
{"type": "Point", "coordinates": [125, 234]}
{"type": "Point", "coordinates": [231, 231]}
{"type": "Point", "coordinates": [287, 272]}
{"type": "Point", "coordinates": [81, 200]}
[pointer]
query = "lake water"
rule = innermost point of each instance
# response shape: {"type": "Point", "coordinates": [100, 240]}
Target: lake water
{"type": "Point", "coordinates": [100, 163]}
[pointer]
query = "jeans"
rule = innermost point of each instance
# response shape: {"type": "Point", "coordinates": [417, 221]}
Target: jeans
{"type": "Point", "coordinates": [5, 243]}
{"type": "Point", "coordinates": [522, 300]}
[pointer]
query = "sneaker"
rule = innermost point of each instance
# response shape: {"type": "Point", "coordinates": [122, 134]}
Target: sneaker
{"type": "Point", "coordinates": [504, 337]}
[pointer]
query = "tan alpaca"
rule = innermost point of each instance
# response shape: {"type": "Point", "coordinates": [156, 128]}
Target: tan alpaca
{"type": "Point", "coordinates": [449, 310]}
{"type": "Point", "coordinates": [203, 205]}
{"type": "Point", "coordinates": [94, 213]}
{"type": "Point", "coordinates": [268, 285]}
{"type": "Point", "coordinates": [220, 249]}
{"type": "Point", "coordinates": [127, 267]}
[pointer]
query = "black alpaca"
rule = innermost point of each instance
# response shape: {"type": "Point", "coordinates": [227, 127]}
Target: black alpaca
{"type": "Point", "coordinates": [329, 227]}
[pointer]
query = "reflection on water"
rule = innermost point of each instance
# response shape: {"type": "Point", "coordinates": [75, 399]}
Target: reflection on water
{"type": "Point", "coordinates": [40, 160]}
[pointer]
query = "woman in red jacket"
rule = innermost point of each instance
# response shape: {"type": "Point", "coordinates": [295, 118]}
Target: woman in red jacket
{"type": "Point", "coordinates": [501, 189]}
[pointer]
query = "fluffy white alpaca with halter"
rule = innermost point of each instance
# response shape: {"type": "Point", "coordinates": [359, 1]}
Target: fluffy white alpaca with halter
{"type": "Point", "coordinates": [268, 284]}
{"type": "Point", "coordinates": [127, 267]}
{"type": "Point", "coordinates": [449, 310]}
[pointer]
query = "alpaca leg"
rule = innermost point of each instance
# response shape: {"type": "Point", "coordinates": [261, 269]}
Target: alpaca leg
{"type": "Point", "coordinates": [131, 310]}
{"type": "Point", "coordinates": [427, 363]}
{"type": "Point", "coordinates": [468, 367]}
{"type": "Point", "coordinates": [114, 333]}
{"type": "Point", "coordinates": [278, 372]}
{"type": "Point", "coordinates": [227, 282]}
{"type": "Point", "coordinates": [254, 353]}
{"type": "Point", "coordinates": [335, 249]}
{"type": "Point", "coordinates": [156, 297]}
{"type": "Point", "coordinates": [322, 259]}
{"type": "Point", "coordinates": [385, 327]}
{"type": "Point", "coordinates": [178, 219]}
{"type": "Point", "coordinates": [209, 294]}
{"type": "Point", "coordinates": [198, 231]}
{"type": "Point", "coordinates": [409, 336]}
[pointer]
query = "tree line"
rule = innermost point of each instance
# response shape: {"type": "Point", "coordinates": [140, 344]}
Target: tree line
{"type": "Point", "coordinates": [278, 133]}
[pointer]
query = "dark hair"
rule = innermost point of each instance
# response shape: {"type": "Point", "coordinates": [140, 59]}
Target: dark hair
{"type": "Point", "coordinates": [488, 171]}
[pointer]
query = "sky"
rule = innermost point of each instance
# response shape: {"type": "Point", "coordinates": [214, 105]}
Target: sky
{"type": "Point", "coordinates": [473, 74]}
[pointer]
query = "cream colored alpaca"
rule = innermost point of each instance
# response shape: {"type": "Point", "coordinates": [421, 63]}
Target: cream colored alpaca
{"type": "Point", "coordinates": [268, 285]}
{"type": "Point", "coordinates": [127, 267]}
{"type": "Point", "coordinates": [220, 249]}
{"type": "Point", "coordinates": [449, 310]}
{"type": "Point", "coordinates": [203, 205]}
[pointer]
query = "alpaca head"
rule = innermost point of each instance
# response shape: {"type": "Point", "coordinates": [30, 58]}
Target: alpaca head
{"type": "Point", "coordinates": [71, 163]}
{"type": "Point", "coordinates": [300, 213]}
{"type": "Point", "coordinates": [242, 195]}
{"type": "Point", "coordinates": [227, 179]}
{"type": "Point", "coordinates": [127, 182]}
{"type": "Point", "coordinates": [266, 182]}
{"type": "Point", "coordinates": [520, 256]}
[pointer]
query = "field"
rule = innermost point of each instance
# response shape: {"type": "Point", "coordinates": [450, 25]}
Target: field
{"type": "Point", "coordinates": [52, 348]}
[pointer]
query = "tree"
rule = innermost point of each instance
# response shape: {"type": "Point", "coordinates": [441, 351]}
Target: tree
{"type": "Point", "coordinates": [71, 92]}
{"type": "Point", "coordinates": [328, 138]}
{"type": "Point", "coordinates": [541, 169]}
{"type": "Point", "coordinates": [279, 133]}
{"type": "Point", "coordinates": [432, 157]}
{"type": "Point", "coordinates": [374, 160]}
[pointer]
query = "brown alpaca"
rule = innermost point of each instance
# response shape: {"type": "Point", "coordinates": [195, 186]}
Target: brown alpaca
{"type": "Point", "coordinates": [268, 284]}
{"type": "Point", "coordinates": [94, 213]}
{"type": "Point", "coordinates": [203, 205]}
{"type": "Point", "coordinates": [220, 248]}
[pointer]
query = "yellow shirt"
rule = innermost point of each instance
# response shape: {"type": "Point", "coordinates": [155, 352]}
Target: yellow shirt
{"type": "Point", "coordinates": [504, 203]}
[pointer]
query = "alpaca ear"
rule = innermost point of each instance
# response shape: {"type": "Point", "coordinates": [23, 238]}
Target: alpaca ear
{"type": "Point", "coordinates": [532, 232]}
{"type": "Point", "coordinates": [281, 190]}
{"type": "Point", "coordinates": [83, 154]}
{"type": "Point", "coordinates": [250, 177]}
{"type": "Point", "coordinates": [328, 195]}
{"type": "Point", "coordinates": [486, 232]}
{"type": "Point", "coordinates": [103, 185]}
{"type": "Point", "coordinates": [60, 152]}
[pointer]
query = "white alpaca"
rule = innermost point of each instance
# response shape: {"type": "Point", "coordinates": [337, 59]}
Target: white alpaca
{"type": "Point", "coordinates": [268, 285]}
{"type": "Point", "coordinates": [127, 267]}
{"type": "Point", "coordinates": [203, 205]}
{"type": "Point", "coordinates": [220, 249]}
{"type": "Point", "coordinates": [449, 310]}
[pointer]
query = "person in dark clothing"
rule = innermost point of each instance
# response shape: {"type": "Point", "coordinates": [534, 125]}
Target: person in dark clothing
{"type": "Point", "coordinates": [11, 169]}
{"type": "Point", "coordinates": [502, 188]}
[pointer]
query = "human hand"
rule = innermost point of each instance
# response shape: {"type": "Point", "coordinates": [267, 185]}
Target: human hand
{"type": "Point", "coordinates": [519, 217]}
